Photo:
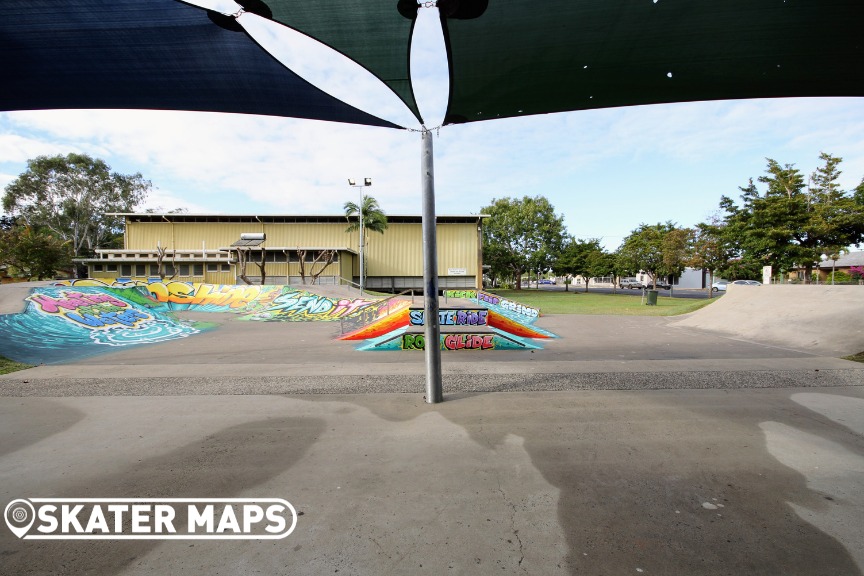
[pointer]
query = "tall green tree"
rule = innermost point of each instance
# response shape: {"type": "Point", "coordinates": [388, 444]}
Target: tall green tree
{"type": "Point", "coordinates": [654, 249]}
{"type": "Point", "coordinates": [584, 258]}
{"type": "Point", "coordinates": [72, 197]}
{"type": "Point", "coordinates": [710, 249]}
{"type": "Point", "coordinates": [29, 253]}
{"type": "Point", "coordinates": [792, 223]}
{"type": "Point", "coordinates": [520, 235]}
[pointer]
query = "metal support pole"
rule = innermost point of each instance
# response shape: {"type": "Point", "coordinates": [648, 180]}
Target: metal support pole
{"type": "Point", "coordinates": [434, 390]}
{"type": "Point", "coordinates": [360, 218]}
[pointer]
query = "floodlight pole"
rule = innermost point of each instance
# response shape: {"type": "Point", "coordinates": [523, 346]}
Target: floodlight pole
{"type": "Point", "coordinates": [353, 184]}
{"type": "Point", "coordinates": [434, 392]}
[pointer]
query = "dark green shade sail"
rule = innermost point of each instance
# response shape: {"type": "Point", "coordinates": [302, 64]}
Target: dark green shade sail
{"type": "Point", "coordinates": [517, 57]}
{"type": "Point", "coordinates": [507, 57]}
{"type": "Point", "coordinates": [148, 54]}
{"type": "Point", "coordinates": [374, 33]}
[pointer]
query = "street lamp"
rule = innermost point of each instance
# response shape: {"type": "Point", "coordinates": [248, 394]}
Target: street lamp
{"type": "Point", "coordinates": [353, 184]}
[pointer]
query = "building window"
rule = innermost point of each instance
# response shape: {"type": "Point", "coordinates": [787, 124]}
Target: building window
{"type": "Point", "coordinates": [226, 267]}
{"type": "Point", "coordinates": [197, 269]}
{"type": "Point", "coordinates": [212, 267]}
{"type": "Point", "coordinates": [140, 270]}
{"type": "Point", "coordinates": [184, 269]}
{"type": "Point", "coordinates": [111, 268]}
{"type": "Point", "coordinates": [97, 268]}
{"type": "Point", "coordinates": [154, 270]}
{"type": "Point", "coordinates": [126, 270]}
{"type": "Point", "coordinates": [277, 257]}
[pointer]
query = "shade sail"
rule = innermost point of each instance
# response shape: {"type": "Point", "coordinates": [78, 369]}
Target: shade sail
{"type": "Point", "coordinates": [518, 57]}
{"type": "Point", "coordinates": [374, 33]}
{"type": "Point", "coordinates": [148, 54]}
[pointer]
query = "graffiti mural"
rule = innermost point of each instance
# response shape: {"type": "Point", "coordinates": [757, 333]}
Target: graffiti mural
{"type": "Point", "coordinates": [402, 340]}
{"type": "Point", "coordinates": [300, 306]}
{"type": "Point", "coordinates": [496, 323]}
{"type": "Point", "coordinates": [508, 307]}
{"type": "Point", "coordinates": [465, 294]}
{"type": "Point", "coordinates": [452, 316]}
{"type": "Point", "coordinates": [268, 303]}
{"type": "Point", "coordinates": [61, 324]}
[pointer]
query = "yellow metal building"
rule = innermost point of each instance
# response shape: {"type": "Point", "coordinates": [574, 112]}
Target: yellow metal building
{"type": "Point", "coordinates": [203, 248]}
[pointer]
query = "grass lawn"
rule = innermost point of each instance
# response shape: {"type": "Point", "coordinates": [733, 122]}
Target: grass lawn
{"type": "Point", "coordinates": [855, 357]}
{"type": "Point", "coordinates": [7, 366]}
{"type": "Point", "coordinates": [615, 304]}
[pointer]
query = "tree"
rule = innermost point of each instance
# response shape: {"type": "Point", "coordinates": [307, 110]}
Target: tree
{"type": "Point", "coordinates": [792, 224]}
{"type": "Point", "coordinates": [654, 249]}
{"type": "Point", "coordinates": [72, 197]}
{"type": "Point", "coordinates": [324, 257]}
{"type": "Point", "coordinates": [160, 263]}
{"type": "Point", "coordinates": [676, 252]}
{"type": "Point", "coordinates": [521, 234]}
{"type": "Point", "coordinates": [584, 258]}
{"type": "Point", "coordinates": [710, 249]}
{"type": "Point", "coordinates": [32, 254]}
{"type": "Point", "coordinates": [374, 218]}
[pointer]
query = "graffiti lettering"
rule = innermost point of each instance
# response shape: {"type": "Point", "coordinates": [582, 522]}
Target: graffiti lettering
{"type": "Point", "coordinates": [508, 305]}
{"type": "Point", "coordinates": [413, 342]}
{"type": "Point", "coordinates": [91, 310]}
{"type": "Point", "coordinates": [469, 342]}
{"type": "Point", "coordinates": [127, 318]}
{"type": "Point", "coordinates": [306, 306]}
{"type": "Point", "coordinates": [467, 294]}
{"type": "Point", "coordinates": [72, 301]}
{"type": "Point", "coordinates": [490, 298]}
{"type": "Point", "coordinates": [519, 308]}
{"type": "Point", "coordinates": [451, 342]}
{"type": "Point", "coordinates": [463, 317]}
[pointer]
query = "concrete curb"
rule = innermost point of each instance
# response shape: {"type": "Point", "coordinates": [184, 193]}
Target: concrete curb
{"type": "Point", "coordinates": [415, 384]}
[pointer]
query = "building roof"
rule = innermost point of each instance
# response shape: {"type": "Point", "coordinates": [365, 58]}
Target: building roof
{"type": "Point", "coordinates": [845, 261]}
{"type": "Point", "coordinates": [289, 219]}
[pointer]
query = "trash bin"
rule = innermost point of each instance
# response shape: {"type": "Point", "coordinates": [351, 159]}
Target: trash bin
{"type": "Point", "coordinates": [651, 299]}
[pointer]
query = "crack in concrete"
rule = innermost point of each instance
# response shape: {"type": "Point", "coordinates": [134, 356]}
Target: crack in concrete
{"type": "Point", "coordinates": [513, 525]}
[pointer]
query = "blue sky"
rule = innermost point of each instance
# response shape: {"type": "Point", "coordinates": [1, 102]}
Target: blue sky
{"type": "Point", "coordinates": [606, 171]}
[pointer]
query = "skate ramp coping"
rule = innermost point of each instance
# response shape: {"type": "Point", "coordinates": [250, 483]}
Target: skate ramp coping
{"type": "Point", "coordinates": [825, 320]}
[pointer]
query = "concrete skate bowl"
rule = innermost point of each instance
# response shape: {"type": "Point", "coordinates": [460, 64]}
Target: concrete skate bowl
{"type": "Point", "coordinates": [69, 322]}
{"type": "Point", "coordinates": [824, 320]}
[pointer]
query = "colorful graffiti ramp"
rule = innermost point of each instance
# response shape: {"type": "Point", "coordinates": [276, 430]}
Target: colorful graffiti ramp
{"type": "Point", "coordinates": [79, 319]}
{"type": "Point", "coordinates": [62, 324]}
{"type": "Point", "coordinates": [493, 324]}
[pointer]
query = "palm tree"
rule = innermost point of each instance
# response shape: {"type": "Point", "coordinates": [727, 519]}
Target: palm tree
{"type": "Point", "coordinates": [374, 218]}
{"type": "Point", "coordinates": [371, 218]}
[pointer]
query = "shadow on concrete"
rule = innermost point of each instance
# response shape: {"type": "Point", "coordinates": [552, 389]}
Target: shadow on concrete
{"type": "Point", "coordinates": [222, 465]}
{"type": "Point", "coordinates": [23, 423]}
{"type": "Point", "coordinates": [668, 482]}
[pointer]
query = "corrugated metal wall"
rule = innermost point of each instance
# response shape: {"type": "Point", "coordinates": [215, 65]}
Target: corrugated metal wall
{"type": "Point", "coordinates": [397, 252]}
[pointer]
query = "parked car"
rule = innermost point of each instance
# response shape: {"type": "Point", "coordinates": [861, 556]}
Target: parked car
{"type": "Point", "coordinates": [629, 283]}
{"type": "Point", "coordinates": [747, 283]}
{"type": "Point", "coordinates": [719, 286]}
{"type": "Point", "coordinates": [662, 284]}
{"type": "Point", "coordinates": [546, 281]}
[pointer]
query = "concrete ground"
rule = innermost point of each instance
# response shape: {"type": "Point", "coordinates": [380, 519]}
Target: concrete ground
{"type": "Point", "coordinates": [752, 481]}
{"type": "Point", "coordinates": [627, 446]}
